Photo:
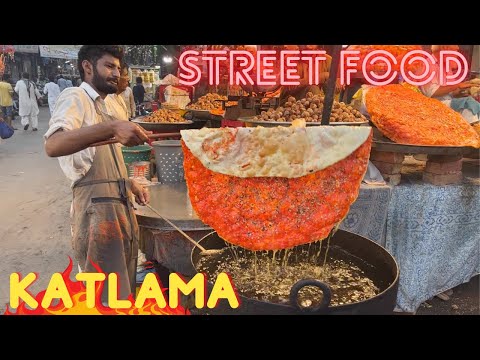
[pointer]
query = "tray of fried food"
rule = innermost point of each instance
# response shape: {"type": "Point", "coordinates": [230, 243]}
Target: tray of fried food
{"type": "Point", "coordinates": [207, 103]}
{"type": "Point", "coordinates": [161, 119]}
{"type": "Point", "coordinates": [309, 108]}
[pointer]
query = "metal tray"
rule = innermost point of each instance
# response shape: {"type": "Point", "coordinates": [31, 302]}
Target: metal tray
{"type": "Point", "coordinates": [199, 114]}
{"type": "Point", "coordinates": [164, 127]}
{"type": "Point", "coordinates": [249, 120]}
{"type": "Point", "coordinates": [382, 143]}
{"type": "Point", "coordinates": [421, 149]}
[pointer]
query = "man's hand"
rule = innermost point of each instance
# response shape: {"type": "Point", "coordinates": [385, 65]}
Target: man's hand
{"type": "Point", "coordinates": [462, 90]}
{"type": "Point", "coordinates": [466, 85]}
{"type": "Point", "coordinates": [129, 134]}
{"type": "Point", "coordinates": [142, 196]}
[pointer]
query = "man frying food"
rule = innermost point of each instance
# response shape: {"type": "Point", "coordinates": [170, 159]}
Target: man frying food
{"type": "Point", "coordinates": [104, 226]}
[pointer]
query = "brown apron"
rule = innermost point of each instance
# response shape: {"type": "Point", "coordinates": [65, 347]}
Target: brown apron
{"type": "Point", "coordinates": [105, 229]}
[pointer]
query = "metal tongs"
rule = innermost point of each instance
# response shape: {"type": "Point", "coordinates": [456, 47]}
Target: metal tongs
{"type": "Point", "coordinates": [151, 136]}
{"type": "Point", "coordinates": [203, 252]}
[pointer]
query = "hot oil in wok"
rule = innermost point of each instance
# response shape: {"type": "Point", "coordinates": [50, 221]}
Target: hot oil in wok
{"type": "Point", "coordinates": [269, 275]}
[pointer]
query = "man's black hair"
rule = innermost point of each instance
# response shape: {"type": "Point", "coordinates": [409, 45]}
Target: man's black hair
{"type": "Point", "coordinates": [94, 52]}
{"type": "Point", "coordinates": [26, 75]}
{"type": "Point", "coordinates": [6, 77]}
{"type": "Point", "coordinates": [139, 80]}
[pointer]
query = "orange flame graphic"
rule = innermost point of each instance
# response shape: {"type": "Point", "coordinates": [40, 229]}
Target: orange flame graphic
{"type": "Point", "coordinates": [77, 291]}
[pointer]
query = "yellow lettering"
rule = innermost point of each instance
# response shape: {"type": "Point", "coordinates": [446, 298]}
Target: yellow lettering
{"type": "Point", "coordinates": [223, 289]}
{"type": "Point", "coordinates": [177, 284]}
{"type": "Point", "coordinates": [150, 289]}
{"type": "Point", "coordinates": [90, 280]}
{"type": "Point", "coordinates": [113, 301]}
{"type": "Point", "coordinates": [18, 290]}
{"type": "Point", "coordinates": [57, 290]}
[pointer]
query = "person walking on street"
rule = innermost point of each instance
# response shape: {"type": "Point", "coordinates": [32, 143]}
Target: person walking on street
{"type": "Point", "coordinates": [68, 82]}
{"type": "Point", "coordinates": [139, 91]}
{"type": "Point", "coordinates": [6, 100]}
{"type": "Point", "coordinates": [62, 83]}
{"type": "Point", "coordinates": [27, 101]}
{"type": "Point", "coordinates": [104, 226]}
{"type": "Point", "coordinates": [53, 91]}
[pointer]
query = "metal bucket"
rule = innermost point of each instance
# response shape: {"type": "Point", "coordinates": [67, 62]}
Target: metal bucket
{"type": "Point", "coordinates": [169, 161]}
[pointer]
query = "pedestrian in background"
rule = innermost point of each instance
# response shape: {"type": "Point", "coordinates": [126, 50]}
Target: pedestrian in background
{"type": "Point", "coordinates": [53, 91]}
{"type": "Point", "coordinates": [69, 82]}
{"type": "Point", "coordinates": [118, 97]}
{"type": "Point", "coordinates": [126, 92]}
{"type": "Point", "coordinates": [6, 100]}
{"type": "Point", "coordinates": [139, 91]}
{"type": "Point", "coordinates": [62, 83]}
{"type": "Point", "coordinates": [28, 96]}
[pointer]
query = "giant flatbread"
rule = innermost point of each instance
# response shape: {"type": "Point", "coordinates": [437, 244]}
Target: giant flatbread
{"type": "Point", "coordinates": [274, 188]}
{"type": "Point", "coordinates": [408, 117]}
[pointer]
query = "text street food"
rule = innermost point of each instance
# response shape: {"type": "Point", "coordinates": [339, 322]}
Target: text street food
{"type": "Point", "coordinates": [274, 188]}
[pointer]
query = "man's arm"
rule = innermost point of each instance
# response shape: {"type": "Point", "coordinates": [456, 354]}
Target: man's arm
{"type": "Point", "coordinates": [454, 89]}
{"type": "Point", "coordinates": [63, 143]}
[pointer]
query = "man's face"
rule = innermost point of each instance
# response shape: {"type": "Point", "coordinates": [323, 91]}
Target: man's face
{"type": "Point", "coordinates": [123, 81]}
{"type": "Point", "coordinates": [106, 74]}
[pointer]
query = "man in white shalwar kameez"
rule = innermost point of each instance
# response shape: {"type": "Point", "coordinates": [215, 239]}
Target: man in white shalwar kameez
{"type": "Point", "coordinates": [53, 91]}
{"type": "Point", "coordinates": [27, 101]}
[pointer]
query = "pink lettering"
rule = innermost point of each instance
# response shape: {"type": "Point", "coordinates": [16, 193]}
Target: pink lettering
{"type": "Point", "coordinates": [190, 73]}
{"type": "Point", "coordinates": [379, 67]}
{"type": "Point", "coordinates": [288, 67]}
{"type": "Point", "coordinates": [267, 66]}
{"type": "Point", "coordinates": [214, 64]}
{"type": "Point", "coordinates": [426, 61]}
{"type": "Point", "coordinates": [374, 78]}
{"type": "Point", "coordinates": [346, 65]}
{"type": "Point", "coordinates": [246, 64]}
{"type": "Point", "coordinates": [314, 64]}
{"type": "Point", "coordinates": [446, 75]}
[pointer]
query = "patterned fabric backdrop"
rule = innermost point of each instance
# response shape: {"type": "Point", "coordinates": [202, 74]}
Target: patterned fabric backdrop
{"type": "Point", "coordinates": [368, 214]}
{"type": "Point", "coordinates": [434, 234]}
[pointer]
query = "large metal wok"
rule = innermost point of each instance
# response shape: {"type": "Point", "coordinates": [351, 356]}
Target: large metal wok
{"type": "Point", "coordinates": [385, 271]}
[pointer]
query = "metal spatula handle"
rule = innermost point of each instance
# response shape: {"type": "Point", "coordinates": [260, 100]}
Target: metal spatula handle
{"type": "Point", "coordinates": [204, 251]}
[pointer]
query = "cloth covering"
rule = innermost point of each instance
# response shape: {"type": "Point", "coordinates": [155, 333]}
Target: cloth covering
{"type": "Point", "coordinates": [434, 234]}
{"type": "Point", "coordinates": [465, 103]}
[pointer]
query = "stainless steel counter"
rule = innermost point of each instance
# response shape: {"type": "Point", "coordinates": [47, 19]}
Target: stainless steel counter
{"type": "Point", "coordinates": [160, 241]}
{"type": "Point", "coordinates": [172, 201]}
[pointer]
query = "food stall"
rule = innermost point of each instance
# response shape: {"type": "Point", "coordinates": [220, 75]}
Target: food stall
{"type": "Point", "coordinates": [149, 75]}
{"type": "Point", "coordinates": [426, 217]}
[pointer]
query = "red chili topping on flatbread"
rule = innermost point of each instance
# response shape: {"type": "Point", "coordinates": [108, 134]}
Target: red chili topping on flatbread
{"type": "Point", "coordinates": [272, 213]}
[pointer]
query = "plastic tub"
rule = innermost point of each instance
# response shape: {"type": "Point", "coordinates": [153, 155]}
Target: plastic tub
{"type": "Point", "coordinates": [136, 153]}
